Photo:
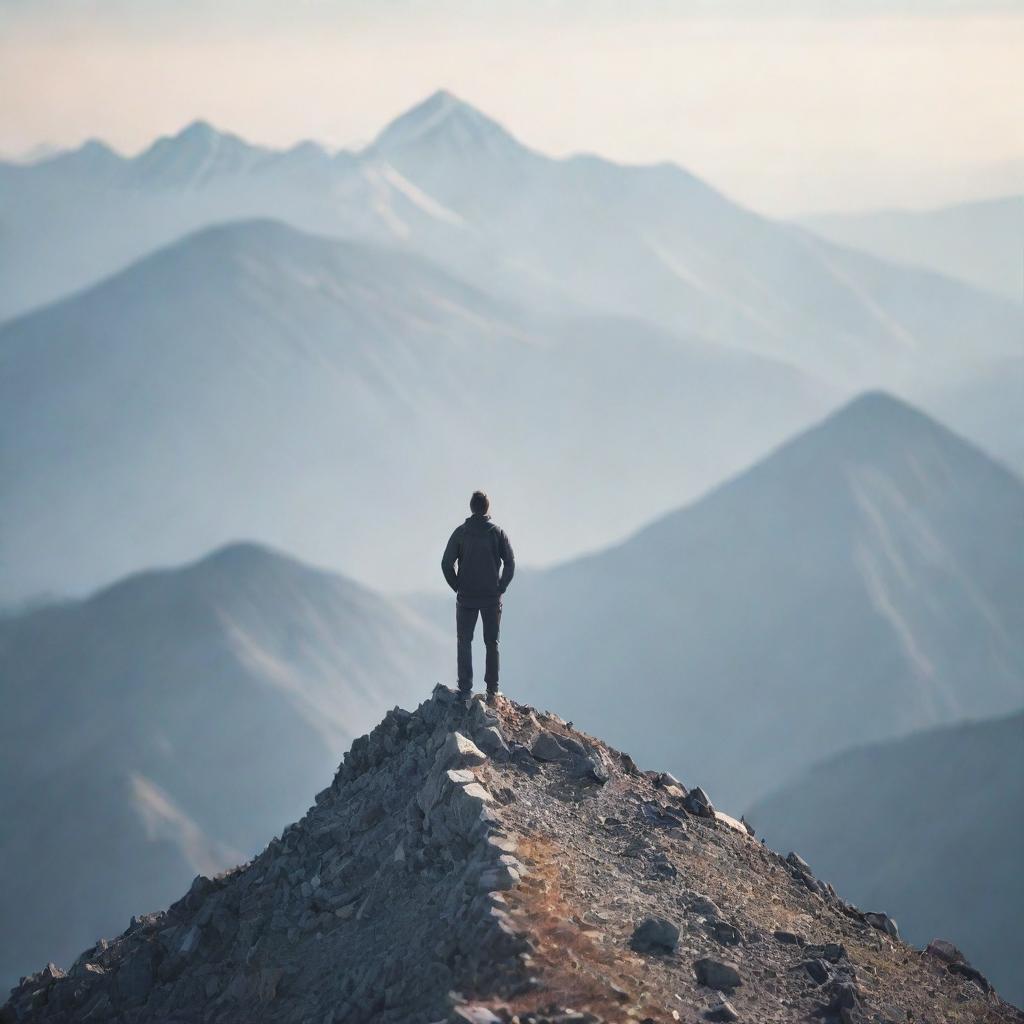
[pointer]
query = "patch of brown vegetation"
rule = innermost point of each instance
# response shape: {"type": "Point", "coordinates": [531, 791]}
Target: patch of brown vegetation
{"type": "Point", "coordinates": [574, 968]}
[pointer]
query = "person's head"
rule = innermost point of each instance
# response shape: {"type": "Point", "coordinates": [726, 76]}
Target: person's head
{"type": "Point", "coordinates": [479, 503]}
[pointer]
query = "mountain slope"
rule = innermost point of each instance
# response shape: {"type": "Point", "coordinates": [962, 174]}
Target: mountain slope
{"type": "Point", "coordinates": [433, 882]}
{"type": "Point", "coordinates": [165, 726]}
{"type": "Point", "coordinates": [981, 243]}
{"type": "Point", "coordinates": [253, 380]}
{"type": "Point", "coordinates": [862, 581]}
{"type": "Point", "coordinates": [926, 826]}
{"type": "Point", "coordinates": [581, 234]}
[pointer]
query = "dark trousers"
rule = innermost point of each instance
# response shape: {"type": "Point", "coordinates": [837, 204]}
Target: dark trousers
{"type": "Point", "coordinates": [465, 623]}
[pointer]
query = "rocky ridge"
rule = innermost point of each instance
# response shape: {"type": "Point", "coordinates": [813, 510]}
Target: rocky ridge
{"type": "Point", "coordinates": [492, 865]}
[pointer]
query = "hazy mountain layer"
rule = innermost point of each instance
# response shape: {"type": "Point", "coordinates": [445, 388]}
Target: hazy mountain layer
{"type": "Point", "coordinates": [980, 243]}
{"type": "Point", "coordinates": [167, 725]}
{"type": "Point", "coordinates": [987, 405]}
{"type": "Point", "coordinates": [862, 581]}
{"type": "Point", "coordinates": [927, 826]}
{"type": "Point", "coordinates": [496, 866]}
{"type": "Point", "coordinates": [342, 401]}
{"type": "Point", "coordinates": [583, 233]}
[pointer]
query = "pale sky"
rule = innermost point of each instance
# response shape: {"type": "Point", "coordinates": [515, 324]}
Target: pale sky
{"type": "Point", "coordinates": [837, 104]}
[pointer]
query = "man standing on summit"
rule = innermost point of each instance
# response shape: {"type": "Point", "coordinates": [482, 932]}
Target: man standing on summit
{"type": "Point", "coordinates": [481, 549]}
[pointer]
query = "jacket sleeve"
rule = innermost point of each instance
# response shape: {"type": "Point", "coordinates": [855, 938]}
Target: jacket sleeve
{"type": "Point", "coordinates": [451, 552]}
{"type": "Point", "coordinates": [508, 564]}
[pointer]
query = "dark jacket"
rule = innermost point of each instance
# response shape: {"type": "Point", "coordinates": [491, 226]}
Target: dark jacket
{"type": "Point", "coordinates": [481, 549]}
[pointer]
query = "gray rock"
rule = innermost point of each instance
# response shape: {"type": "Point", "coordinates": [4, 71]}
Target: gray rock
{"type": "Point", "coordinates": [717, 974]}
{"type": "Point", "coordinates": [788, 938]}
{"type": "Point", "coordinates": [818, 970]}
{"type": "Point", "coordinates": [546, 747]}
{"type": "Point", "coordinates": [459, 752]}
{"type": "Point", "coordinates": [945, 951]}
{"type": "Point", "coordinates": [135, 978]}
{"type": "Point", "coordinates": [698, 803]}
{"type": "Point", "coordinates": [476, 1015]}
{"type": "Point", "coordinates": [492, 743]}
{"type": "Point", "coordinates": [965, 970]}
{"type": "Point", "coordinates": [704, 906]}
{"type": "Point", "coordinates": [722, 1011]}
{"type": "Point", "coordinates": [725, 933]}
{"type": "Point", "coordinates": [794, 860]}
{"type": "Point", "coordinates": [655, 935]}
{"type": "Point", "coordinates": [883, 922]}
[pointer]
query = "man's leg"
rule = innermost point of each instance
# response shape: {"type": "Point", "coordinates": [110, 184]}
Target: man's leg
{"type": "Point", "coordinates": [465, 623]}
{"type": "Point", "coordinates": [492, 624]}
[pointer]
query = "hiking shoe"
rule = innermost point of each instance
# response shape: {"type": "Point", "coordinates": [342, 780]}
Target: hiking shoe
{"type": "Point", "coordinates": [492, 698]}
{"type": "Point", "coordinates": [466, 698]}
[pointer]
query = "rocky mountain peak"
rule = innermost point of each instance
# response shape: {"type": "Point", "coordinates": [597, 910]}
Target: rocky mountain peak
{"type": "Point", "coordinates": [446, 123]}
{"type": "Point", "coordinates": [495, 865]}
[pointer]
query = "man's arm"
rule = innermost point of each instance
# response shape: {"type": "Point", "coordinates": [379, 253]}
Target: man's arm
{"type": "Point", "coordinates": [451, 552]}
{"type": "Point", "coordinates": [508, 563]}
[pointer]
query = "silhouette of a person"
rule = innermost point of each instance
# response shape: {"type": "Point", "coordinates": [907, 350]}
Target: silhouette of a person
{"type": "Point", "coordinates": [485, 568]}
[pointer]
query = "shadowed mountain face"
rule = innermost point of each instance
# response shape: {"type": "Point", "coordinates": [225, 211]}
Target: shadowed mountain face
{"type": "Point", "coordinates": [167, 725]}
{"type": "Point", "coordinates": [256, 381]}
{"type": "Point", "coordinates": [927, 826]}
{"type": "Point", "coordinates": [862, 581]}
{"type": "Point", "coordinates": [583, 233]}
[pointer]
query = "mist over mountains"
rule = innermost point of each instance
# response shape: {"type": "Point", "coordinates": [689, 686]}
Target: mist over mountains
{"type": "Point", "coordinates": [254, 380]}
{"type": "Point", "coordinates": [580, 328]}
{"type": "Point", "coordinates": [861, 582]}
{"type": "Point", "coordinates": [325, 353]}
{"type": "Point", "coordinates": [978, 242]}
{"type": "Point", "coordinates": [446, 181]}
{"type": "Point", "coordinates": [168, 725]}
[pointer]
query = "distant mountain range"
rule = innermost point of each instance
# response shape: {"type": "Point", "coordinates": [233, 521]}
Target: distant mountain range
{"type": "Point", "coordinates": [169, 725]}
{"type": "Point", "coordinates": [927, 826]}
{"type": "Point", "coordinates": [583, 233]}
{"type": "Point", "coordinates": [981, 243]}
{"type": "Point", "coordinates": [342, 400]}
{"type": "Point", "coordinates": [862, 581]}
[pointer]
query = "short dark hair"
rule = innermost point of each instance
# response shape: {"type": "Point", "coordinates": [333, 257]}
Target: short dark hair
{"type": "Point", "coordinates": [479, 503]}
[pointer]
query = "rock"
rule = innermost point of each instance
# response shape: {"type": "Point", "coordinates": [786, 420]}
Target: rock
{"type": "Point", "coordinates": [492, 743]}
{"type": "Point", "coordinates": [654, 935]}
{"type": "Point", "coordinates": [722, 1010]}
{"type": "Point", "coordinates": [704, 906]}
{"type": "Point", "coordinates": [788, 938]}
{"type": "Point", "coordinates": [135, 978]}
{"type": "Point", "coordinates": [883, 922]}
{"type": "Point", "coordinates": [965, 970]}
{"type": "Point", "coordinates": [590, 766]}
{"type": "Point", "coordinates": [668, 779]}
{"type": "Point", "coordinates": [460, 752]}
{"type": "Point", "coordinates": [833, 952]}
{"type": "Point", "coordinates": [731, 822]}
{"type": "Point", "coordinates": [717, 974]}
{"type": "Point", "coordinates": [818, 970]}
{"type": "Point", "coordinates": [476, 1015]}
{"type": "Point", "coordinates": [794, 860]}
{"type": "Point", "coordinates": [725, 933]}
{"type": "Point", "coordinates": [945, 951]}
{"type": "Point", "coordinates": [546, 747]}
{"type": "Point", "coordinates": [698, 803]}
{"type": "Point", "coordinates": [654, 814]}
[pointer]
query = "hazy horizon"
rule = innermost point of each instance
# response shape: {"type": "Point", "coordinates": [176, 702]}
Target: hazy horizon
{"type": "Point", "coordinates": [866, 107]}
